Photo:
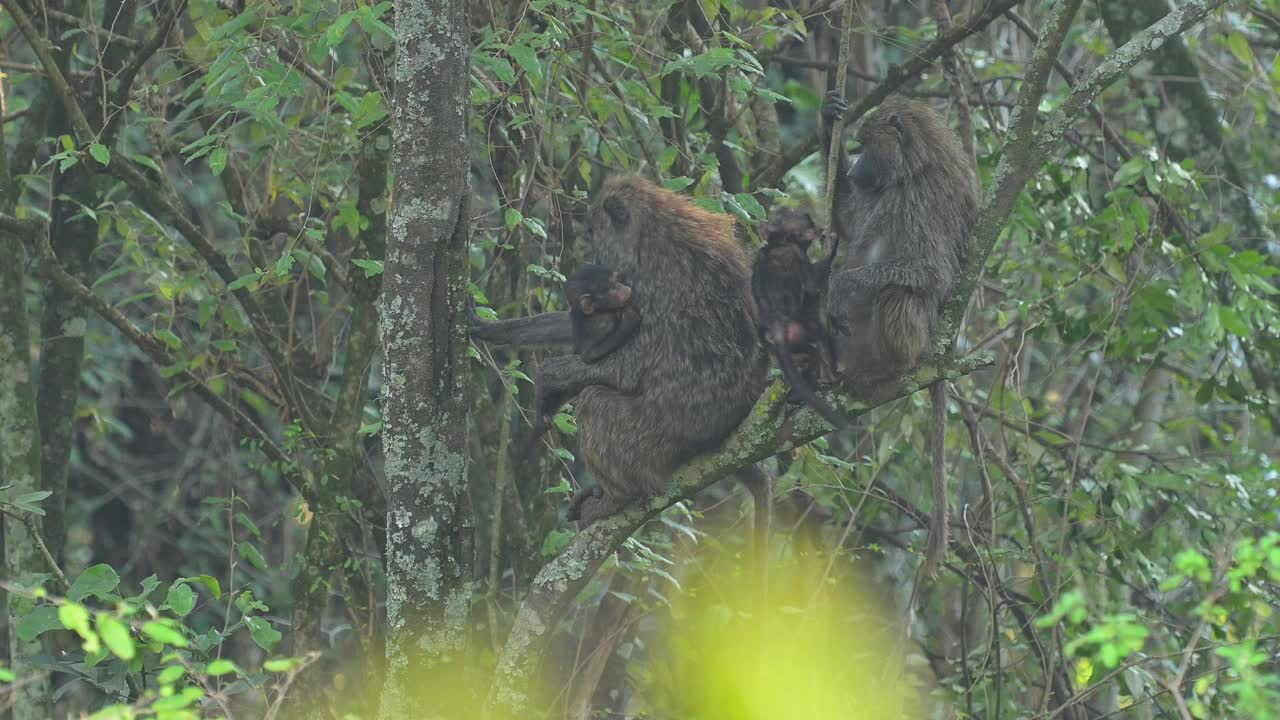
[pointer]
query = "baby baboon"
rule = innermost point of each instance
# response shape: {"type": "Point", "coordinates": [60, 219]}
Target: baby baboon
{"type": "Point", "coordinates": [603, 319]}
{"type": "Point", "coordinates": [904, 212]}
{"type": "Point", "coordinates": [787, 291]}
{"type": "Point", "coordinates": [695, 366]}
{"type": "Point", "coordinates": [601, 310]}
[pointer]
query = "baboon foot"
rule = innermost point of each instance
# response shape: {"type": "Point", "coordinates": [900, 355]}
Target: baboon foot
{"type": "Point", "coordinates": [579, 499]}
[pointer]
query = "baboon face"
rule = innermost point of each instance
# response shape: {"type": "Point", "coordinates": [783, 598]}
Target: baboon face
{"type": "Point", "coordinates": [789, 227]}
{"type": "Point", "coordinates": [613, 232]}
{"type": "Point", "coordinates": [890, 153]}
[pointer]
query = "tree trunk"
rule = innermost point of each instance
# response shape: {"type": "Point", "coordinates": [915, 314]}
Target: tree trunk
{"type": "Point", "coordinates": [424, 341]}
{"type": "Point", "coordinates": [19, 463]}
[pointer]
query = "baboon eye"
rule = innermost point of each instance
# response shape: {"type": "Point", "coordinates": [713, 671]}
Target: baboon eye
{"type": "Point", "coordinates": [617, 211]}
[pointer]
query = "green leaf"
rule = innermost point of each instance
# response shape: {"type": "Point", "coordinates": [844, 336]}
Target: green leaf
{"type": "Point", "coordinates": [39, 621]}
{"type": "Point", "coordinates": [555, 541]}
{"type": "Point", "coordinates": [98, 581]}
{"type": "Point", "coordinates": [370, 110]}
{"type": "Point", "coordinates": [173, 342]}
{"type": "Point", "coordinates": [511, 217]}
{"type": "Point", "coordinates": [677, 183]}
{"type": "Point", "coordinates": [221, 666]}
{"type": "Point", "coordinates": [171, 674]}
{"type": "Point", "coordinates": [181, 599]}
{"type": "Point", "coordinates": [115, 635]}
{"type": "Point", "coordinates": [244, 281]}
{"type": "Point", "coordinates": [250, 553]}
{"type": "Point", "coordinates": [751, 205]}
{"type": "Point", "coordinates": [74, 617]}
{"type": "Point", "coordinates": [370, 267]}
{"type": "Point", "coordinates": [262, 633]}
{"type": "Point", "coordinates": [218, 161]}
{"type": "Point", "coordinates": [163, 633]}
{"type": "Point", "coordinates": [526, 58]}
{"type": "Point", "coordinates": [1232, 321]}
{"type": "Point", "coordinates": [311, 262]}
{"type": "Point", "coordinates": [1239, 47]}
{"type": "Point", "coordinates": [100, 153]}
{"type": "Point", "coordinates": [210, 582]}
{"type": "Point", "coordinates": [280, 665]}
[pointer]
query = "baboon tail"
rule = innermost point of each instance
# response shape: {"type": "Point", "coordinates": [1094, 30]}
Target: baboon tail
{"type": "Point", "coordinates": [936, 550]}
{"type": "Point", "coordinates": [811, 398]}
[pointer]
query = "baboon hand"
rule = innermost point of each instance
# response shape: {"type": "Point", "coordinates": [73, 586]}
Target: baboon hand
{"type": "Point", "coordinates": [833, 107]}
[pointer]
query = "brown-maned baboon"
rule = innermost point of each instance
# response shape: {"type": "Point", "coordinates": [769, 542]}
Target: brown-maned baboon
{"type": "Point", "coordinates": [904, 213]}
{"type": "Point", "coordinates": [787, 290]}
{"type": "Point", "coordinates": [695, 366]}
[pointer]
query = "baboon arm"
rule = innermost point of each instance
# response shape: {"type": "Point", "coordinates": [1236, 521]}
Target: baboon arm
{"type": "Point", "coordinates": [563, 377]}
{"type": "Point", "coordinates": [916, 276]}
{"type": "Point", "coordinates": [546, 329]}
{"type": "Point", "coordinates": [627, 326]}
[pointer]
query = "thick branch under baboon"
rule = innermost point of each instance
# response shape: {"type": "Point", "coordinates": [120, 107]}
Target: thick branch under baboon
{"type": "Point", "coordinates": [766, 432]}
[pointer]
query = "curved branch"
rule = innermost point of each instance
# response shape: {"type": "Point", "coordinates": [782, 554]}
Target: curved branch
{"type": "Point", "coordinates": [764, 433]}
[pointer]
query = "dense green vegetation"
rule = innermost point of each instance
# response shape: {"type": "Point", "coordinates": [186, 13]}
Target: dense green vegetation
{"type": "Point", "coordinates": [205, 515]}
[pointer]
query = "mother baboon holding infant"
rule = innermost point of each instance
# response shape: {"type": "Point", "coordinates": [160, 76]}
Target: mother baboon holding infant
{"type": "Point", "coordinates": [695, 367]}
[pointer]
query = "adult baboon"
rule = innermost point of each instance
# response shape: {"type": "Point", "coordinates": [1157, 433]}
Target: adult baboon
{"type": "Point", "coordinates": [904, 213]}
{"type": "Point", "coordinates": [695, 366]}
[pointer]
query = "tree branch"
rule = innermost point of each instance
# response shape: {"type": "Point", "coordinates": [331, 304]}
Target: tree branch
{"type": "Point", "coordinates": [897, 76]}
{"type": "Point", "coordinates": [766, 432]}
{"type": "Point", "coordinates": [1024, 153]}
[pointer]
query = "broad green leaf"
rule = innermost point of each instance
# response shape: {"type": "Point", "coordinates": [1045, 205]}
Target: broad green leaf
{"type": "Point", "coordinates": [218, 161]}
{"type": "Point", "coordinates": [181, 599]}
{"type": "Point", "coordinates": [221, 666]}
{"type": "Point", "coordinates": [1239, 47]}
{"type": "Point", "coordinates": [100, 153]}
{"type": "Point", "coordinates": [250, 553]}
{"type": "Point", "coordinates": [99, 581]}
{"type": "Point", "coordinates": [262, 633]}
{"type": "Point", "coordinates": [370, 267]}
{"type": "Point", "coordinates": [39, 621]}
{"type": "Point", "coordinates": [115, 635]}
{"type": "Point", "coordinates": [163, 633]}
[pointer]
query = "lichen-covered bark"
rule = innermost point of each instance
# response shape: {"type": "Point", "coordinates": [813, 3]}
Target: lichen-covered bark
{"type": "Point", "coordinates": [20, 468]}
{"type": "Point", "coordinates": [31, 698]}
{"type": "Point", "coordinates": [424, 345]}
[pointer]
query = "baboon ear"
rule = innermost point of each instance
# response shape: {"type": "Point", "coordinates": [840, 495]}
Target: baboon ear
{"type": "Point", "coordinates": [617, 211]}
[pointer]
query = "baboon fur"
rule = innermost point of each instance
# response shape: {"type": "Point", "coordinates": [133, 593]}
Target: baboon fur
{"type": "Point", "coordinates": [695, 367]}
{"type": "Point", "coordinates": [904, 213]}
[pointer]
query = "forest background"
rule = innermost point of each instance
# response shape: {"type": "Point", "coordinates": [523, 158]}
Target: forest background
{"type": "Point", "coordinates": [219, 250]}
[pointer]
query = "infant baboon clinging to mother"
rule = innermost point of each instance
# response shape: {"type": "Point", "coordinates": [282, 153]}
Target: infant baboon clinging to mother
{"type": "Point", "coordinates": [604, 318]}
{"type": "Point", "coordinates": [904, 213]}
{"type": "Point", "coordinates": [787, 290]}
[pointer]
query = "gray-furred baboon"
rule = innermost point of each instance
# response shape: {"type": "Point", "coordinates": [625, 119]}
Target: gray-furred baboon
{"type": "Point", "coordinates": [904, 213]}
{"type": "Point", "coordinates": [695, 366]}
